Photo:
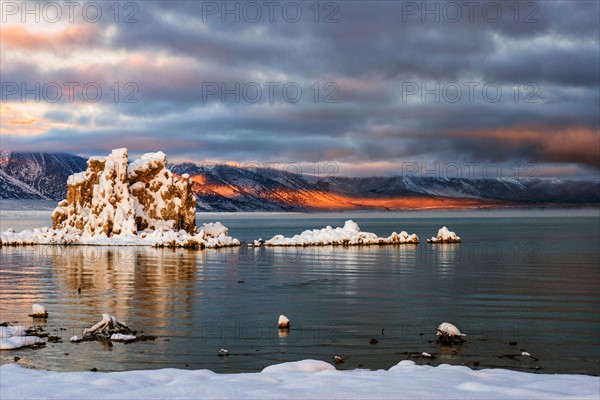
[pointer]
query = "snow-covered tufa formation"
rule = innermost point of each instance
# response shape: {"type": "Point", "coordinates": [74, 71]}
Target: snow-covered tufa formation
{"type": "Point", "coordinates": [113, 197]}
{"type": "Point", "coordinates": [444, 236]}
{"type": "Point", "coordinates": [115, 202]}
{"type": "Point", "coordinates": [349, 235]}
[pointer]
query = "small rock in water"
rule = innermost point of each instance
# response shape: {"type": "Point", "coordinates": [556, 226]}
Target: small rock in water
{"type": "Point", "coordinates": [338, 360]}
{"type": "Point", "coordinates": [38, 311]}
{"type": "Point", "coordinates": [17, 359]}
{"type": "Point", "coordinates": [426, 355]}
{"type": "Point", "coordinates": [94, 369]}
{"type": "Point", "coordinates": [283, 322]}
{"type": "Point", "coordinates": [511, 343]}
{"type": "Point", "coordinates": [54, 339]}
{"type": "Point", "coordinates": [447, 329]}
{"type": "Point", "coordinates": [223, 353]}
{"type": "Point", "coordinates": [448, 333]}
{"type": "Point", "coordinates": [373, 341]}
{"type": "Point", "coordinates": [109, 325]}
{"type": "Point", "coordinates": [445, 236]}
{"type": "Point", "coordinates": [75, 339]}
{"type": "Point", "coordinates": [525, 354]}
{"type": "Point", "coordinates": [79, 290]}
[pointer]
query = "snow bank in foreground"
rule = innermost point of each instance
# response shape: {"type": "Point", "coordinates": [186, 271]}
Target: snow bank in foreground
{"type": "Point", "coordinates": [15, 337]}
{"type": "Point", "coordinates": [162, 237]}
{"type": "Point", "coordinates": [349, 235]}
{"type": "Point", "coordinates": [444, 236]}
{"type": "Point", "coordinates": [308, 379]}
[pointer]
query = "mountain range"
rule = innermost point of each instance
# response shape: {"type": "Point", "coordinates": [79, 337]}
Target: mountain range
{"type": "Point", "coordinates": [224, 187]}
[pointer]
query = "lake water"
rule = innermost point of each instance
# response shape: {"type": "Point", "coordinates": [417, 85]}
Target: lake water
{"type": "Point", "coordinates": [530, 277]}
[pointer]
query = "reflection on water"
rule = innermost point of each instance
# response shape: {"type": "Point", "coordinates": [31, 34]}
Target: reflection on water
{"type": "Point", "coordinates": [493, 286]}
{"type": "Point", "coordinates": [129, 282]}
{"type": "Point", "coordinates": [446, 255]}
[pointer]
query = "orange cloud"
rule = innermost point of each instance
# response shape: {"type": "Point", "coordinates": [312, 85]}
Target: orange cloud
{"type": "Point", "coordinates": [19, 122]}
{"type": "Point", "coordinates": [24, 121]}
{"type": "Point", "coordinates": [577, 144]}
{"type": "Point", "coordinates": [19, 37]}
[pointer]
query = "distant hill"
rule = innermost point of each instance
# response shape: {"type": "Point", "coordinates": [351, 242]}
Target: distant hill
{"type": "Point", "coordinates": [43, 176]}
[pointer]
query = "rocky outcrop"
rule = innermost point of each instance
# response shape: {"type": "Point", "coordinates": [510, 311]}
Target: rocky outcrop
{"type": "Point", "coordinates": [445, 236]}
{"type": "Point", "coordinates": [116, 198]}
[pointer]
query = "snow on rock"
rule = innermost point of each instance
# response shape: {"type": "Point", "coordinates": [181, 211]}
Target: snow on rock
{"type": "Point", "coordinates": [349, 235]}
{"type": "Point", "coordinates": [115, 202]}
{"type": "Point", "coordinates": [256, 243]}
{"type": "Point", "coordinates": [444, 236]}
{"type": "Point", "coordinates": [38, 311]}
{"type": "Point", "coordinates": [109, 325]}
{"type": "Point", "coordinates": [447, 329]}
{"type": "Point", "coordinates": [308, 379]}
{"type": "Point", "coordinates": [15, 337]}
{"type": "Point", "coordinates": [223, 353]}
{"type": "Point", "coordinates": [215, 229]}
{"type": "Point", "coordinates": [283, 322]}
{"type": "Point", "coordinates": [119, 337]}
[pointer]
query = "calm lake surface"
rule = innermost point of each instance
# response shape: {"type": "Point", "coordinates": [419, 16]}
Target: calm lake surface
{"type": "Point", "coordinates": [525, 276]}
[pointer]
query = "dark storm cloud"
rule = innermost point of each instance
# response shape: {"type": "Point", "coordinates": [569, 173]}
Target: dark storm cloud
{"type": "Point", "coordinates": [549, 48]}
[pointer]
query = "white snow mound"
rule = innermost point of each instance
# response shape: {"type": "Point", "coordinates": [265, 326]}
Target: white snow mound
{"type": "Point", "coordinates": [308, 379]}
{"type": "Point", "coordinates": [299, 366]}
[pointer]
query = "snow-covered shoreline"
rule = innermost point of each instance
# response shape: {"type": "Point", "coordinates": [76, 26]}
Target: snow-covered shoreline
{"type": "Point", "coordinates": [298, 380]}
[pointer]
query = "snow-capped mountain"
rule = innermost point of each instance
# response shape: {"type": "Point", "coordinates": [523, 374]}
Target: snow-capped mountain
{"type": "Point", "coordinates": [229, 188]}
{"type": "Point", "coordinates": [40, 176]}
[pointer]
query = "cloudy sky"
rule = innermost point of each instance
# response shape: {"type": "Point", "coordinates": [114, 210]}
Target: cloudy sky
{"type": "Point", "coordinates": [376, 88]}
